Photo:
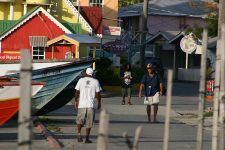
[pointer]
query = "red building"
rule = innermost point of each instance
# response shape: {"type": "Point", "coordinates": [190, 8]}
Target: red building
{"type": "Point", "coordinates": [32, 32]}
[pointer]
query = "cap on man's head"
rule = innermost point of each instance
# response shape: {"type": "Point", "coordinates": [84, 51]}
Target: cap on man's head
{"type": "Point", "coordinates": [89, 71]}
{"type": "Point", "coordinates": [149, 65]}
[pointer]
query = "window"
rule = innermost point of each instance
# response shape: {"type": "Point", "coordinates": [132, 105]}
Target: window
{"type": "Point", "coordinates": [97, 3]}
{"type": "Point", "coordinates": [38, 53]}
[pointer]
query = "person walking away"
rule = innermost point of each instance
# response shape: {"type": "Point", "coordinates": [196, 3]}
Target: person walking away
{"type": "Point", "coordinates": [87, 89]}
{"type": "Point", "coordinates": [127, 77]}
{"type": "Point", "coordinates": [153, 88]}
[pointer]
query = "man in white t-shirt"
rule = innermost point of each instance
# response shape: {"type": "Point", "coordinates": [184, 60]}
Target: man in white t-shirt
{"type": "Point", "coordinates": [87, 89]}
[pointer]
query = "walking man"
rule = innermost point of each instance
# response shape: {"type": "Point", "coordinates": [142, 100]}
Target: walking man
{"type": "Point", "coordinates": [87, 89]}
{"type": "Point", "coordinates": [153, 87]}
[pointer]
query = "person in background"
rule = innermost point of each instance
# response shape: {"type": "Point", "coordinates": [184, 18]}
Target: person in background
{"type": "Point", "coordinates": [209, 69]}
{"type": "Point", "coordinates": [153, 88]}
{"type": "Point", "coordinates": [87, 89]}
{"type": "Point", "coordinates": [209, 80]}
{"type": "Point", "coordinates": [127, 77]}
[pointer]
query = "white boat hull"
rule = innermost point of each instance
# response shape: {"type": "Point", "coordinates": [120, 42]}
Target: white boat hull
{"type": "Point", "coordinates": [7, 69]}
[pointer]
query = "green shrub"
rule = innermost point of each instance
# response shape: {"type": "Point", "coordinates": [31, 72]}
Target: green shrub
{"type": "Point", "coordinates": [106, 74]}
{"type": "Point", "coordinates": [138, 73]}
{"type": "Point", "coordinates": [208, 114]}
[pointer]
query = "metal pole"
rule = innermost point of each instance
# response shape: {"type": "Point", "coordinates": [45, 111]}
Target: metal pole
{"type": "Point", "coordinates": [186, 67]}
{"type": "Point", "coordinates": [144, 30]}
{"type": "Point", "coordinates": [222, 90]}
{"type": "Point", "coordinates": [201, 103]}
{"type": "Point", "coordinates": [168, 108]}
{"type": "Point", "coordinates": [174, 63]}
{"type": "Point", "coordinates": [94, 56]}
{"type": "Point", "coordinates": [221, 20]}
{"type": "Point", "coordinates": [25, 125]}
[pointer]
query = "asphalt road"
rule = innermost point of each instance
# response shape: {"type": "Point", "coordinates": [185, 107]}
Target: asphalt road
{"type": "Point", "coordinates": [123, 118]}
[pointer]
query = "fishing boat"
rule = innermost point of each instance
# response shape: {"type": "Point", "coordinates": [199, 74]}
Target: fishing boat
{"type": "Point", "coordinates": [59, 85]}
{"type": "Point", "coordinates": [9, 97]}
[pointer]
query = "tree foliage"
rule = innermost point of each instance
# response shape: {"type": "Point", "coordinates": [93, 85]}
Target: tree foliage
{"type": "Point", "coordinates": [211, 20]}
{"type": "Point", "coordinates": [124, 3]}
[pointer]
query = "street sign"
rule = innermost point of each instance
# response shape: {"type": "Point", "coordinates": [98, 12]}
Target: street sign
{"type": "Point", "coordinates": [188, 44]}
{"type": "Point", "coordinates": [110, 30]}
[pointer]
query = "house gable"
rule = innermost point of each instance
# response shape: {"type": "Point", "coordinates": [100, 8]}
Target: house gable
{"type": "Point", "coordinates": [75, 12]}
{"type": "Point", "coordinates": [28, 17]}
{"type": "Point", "coordinates": [167, 35]}
{"type": "Point", "coordinates": [39, 24]}
{"type": "Point", "coordinates": [93, 15]}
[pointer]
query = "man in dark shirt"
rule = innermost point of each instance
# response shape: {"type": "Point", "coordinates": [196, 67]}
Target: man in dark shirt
{"type": "Point", "coordinates": [153, 87]}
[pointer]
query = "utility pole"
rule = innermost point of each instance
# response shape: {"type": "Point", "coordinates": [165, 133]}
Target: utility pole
{"type": "Point", "coordinates": [221, 20]}
{"type": "Point", "coordinates": [201, 103]}
{"type": "Point", "coordinates": [24, 122]}
{"type": "Point", "coordinates": [168, 110]}
{"type": "Point", "coordinates": [144, 31]}
{"type": "Point", "coordinates": [103, 131]}
{"type": "Point", "coordinates": [222, 90]}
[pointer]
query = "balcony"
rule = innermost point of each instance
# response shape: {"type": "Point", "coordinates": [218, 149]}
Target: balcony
{"type": "Point", "coordinates": [7, 0]}
{"type": "Point", "coordinates": [37, 2]}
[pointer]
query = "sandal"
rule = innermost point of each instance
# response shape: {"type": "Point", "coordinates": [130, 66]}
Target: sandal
{"type": "Point", "coordinates": [123, 103]}
{"type": "Point", "coordinates": [79, 138]}
{"type": "Point", "coordinates": [129, 103]}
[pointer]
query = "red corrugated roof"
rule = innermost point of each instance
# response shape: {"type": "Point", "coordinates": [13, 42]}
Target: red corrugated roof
{"type": "Point", "coordinates": [93, 16]}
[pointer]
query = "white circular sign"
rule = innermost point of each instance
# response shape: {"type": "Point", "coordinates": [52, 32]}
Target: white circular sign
{"type": "Point", "coordinates": [188, 44]}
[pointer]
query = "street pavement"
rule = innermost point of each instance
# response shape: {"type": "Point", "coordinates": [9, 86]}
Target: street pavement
{"type": "Point", "coordinates": [123, 118]}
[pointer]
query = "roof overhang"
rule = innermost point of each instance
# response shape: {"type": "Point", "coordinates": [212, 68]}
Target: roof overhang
{"type": "Point", "coordinates": [38, 41]}
{"type": "Point", "coordinates": [157, 35]}
{"type": "Point", "coordinates": [73, 39]}
{"type": "Point", "coordinates": [181, 34]}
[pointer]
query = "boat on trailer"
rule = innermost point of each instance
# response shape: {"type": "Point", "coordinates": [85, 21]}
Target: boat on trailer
{"type": "Point", "coordinates": [9, 97]}
{"type": "Point", "coordinates": [59, 82]}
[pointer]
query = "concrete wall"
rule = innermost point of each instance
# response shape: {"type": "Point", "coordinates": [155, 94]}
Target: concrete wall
{"type": "Point", "coordinates": [110, 11]}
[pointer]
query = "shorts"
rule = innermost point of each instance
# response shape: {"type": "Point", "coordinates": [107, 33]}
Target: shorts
{"type": "Point", "coordinates": [126, 91]}
{"type": "Point", "coordinates": [86, 116]}
{"type": "Point", "coordinates": [152, 100]}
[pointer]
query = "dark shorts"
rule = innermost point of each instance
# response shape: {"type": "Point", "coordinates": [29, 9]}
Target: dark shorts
{"type": "Point", "coordinates": [126, 91]}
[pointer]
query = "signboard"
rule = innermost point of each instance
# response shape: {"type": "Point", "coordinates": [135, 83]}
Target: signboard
{"type": "Point", "coordinates": [116, 47]}
{"type": "Point", "coordinates": [110, 30]}
{"type": "Point", "coordinates": [188, 44]}
{"type": "Point", "coordinates": [10, 57]}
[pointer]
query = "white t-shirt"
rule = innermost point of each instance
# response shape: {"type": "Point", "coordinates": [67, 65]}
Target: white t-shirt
{"type": "Point", "coordinates": [88, 87]}
{"type": "Point", "coordinates": [126, 80]}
